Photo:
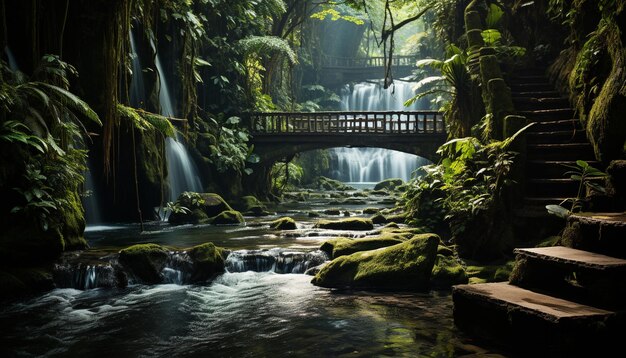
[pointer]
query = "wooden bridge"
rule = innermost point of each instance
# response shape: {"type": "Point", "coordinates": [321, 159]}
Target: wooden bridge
{"type": "Point", "coordinates": [417, 132]}
{"type": "Point", "coordinates": [278, 136]}
{"type": "Point", "coordinates": [340, 70]}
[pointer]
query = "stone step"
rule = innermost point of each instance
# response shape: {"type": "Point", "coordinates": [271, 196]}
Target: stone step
{"type": "Point", "coordinates": [551, 168]}
{"type": "Point", "coordinates": [560, 152]}
{"type": "Point", "coordinates": [532, 322]}
{"type": "Point", "coordinates": [563, 136]}
{"type": "Point", "coordinates": [573, 274]}
{"type": "Point", "coordinates": [558, 125]}
{"type": "Point", "coordinates": [551, 187]}
{"type": "Point", "coordinates": [531, 87]}
{"type": "Point", "coordinates": [522, 103]}
{"type": "Point", "coordinates": [603, 233]}
{"type": "Point", "coordinates": [554, 114]}
{"type": "Point", "coordinates": [551, 93]}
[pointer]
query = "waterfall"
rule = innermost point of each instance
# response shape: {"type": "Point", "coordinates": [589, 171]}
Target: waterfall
{"type": "Point", "coordinates": [182, 172]}
{"type": "Point", "coordinates": [368, 165]}
{"type": "Point", "coordinates": [90, 199]}
{"type": "Point", "coordinates": [84, 276]}
{"type": "Point", "coordinates": [274, 260]}
{"type": "Point", "coordinates": [12, 62]}
{"type": "Point", "coordinates": [137, 88]}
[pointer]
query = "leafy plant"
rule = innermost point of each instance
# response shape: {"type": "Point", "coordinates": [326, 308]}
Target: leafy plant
{"type": "Point", "coordinates": [587, 177]}
{"type": "Point", "coordinates": [176, 208]}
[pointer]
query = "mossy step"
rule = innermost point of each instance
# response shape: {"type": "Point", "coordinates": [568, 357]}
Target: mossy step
{"type": "Point", "coordinates": [528, 321]}
{"type": "Point", "coordinates": [553, 113]}
{"type": "Point", "coordinates": [558, 136]}
{"type": "Point", "coordinates": [560, 151]}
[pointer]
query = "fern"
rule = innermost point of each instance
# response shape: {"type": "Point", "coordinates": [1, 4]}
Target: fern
{"type": "Point", "coordinates": [260, 45]}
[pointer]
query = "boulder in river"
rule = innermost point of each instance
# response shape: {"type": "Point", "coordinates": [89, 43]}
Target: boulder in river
{"type": "Point", "coordinates": [345, 246]}
{"type": "Point", "coordinates": [285, 223]}
{"type": "Point", "coordinates": [200, 208]}
{"type": "Point", "coordinates": [207, 260]}
{"type": "Point", "coordinates": [389, 184]}
{"type": "Point", "coordinates": [346, 224]}
{"type": "Point", "coordinates": [228, 217]}
{"type": "Point", "coordinates": [404, 266]}
{"type": "Point", "coordinates": [144, 261]}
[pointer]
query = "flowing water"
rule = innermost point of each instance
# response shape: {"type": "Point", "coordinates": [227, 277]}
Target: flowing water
{"type": "Point", "coordinates": [137, 87]}
{"type": "Point", "coordinates": [262, 306]}
{"type": "Point", "coordinates": [90, 200]}
{"type": "Point", "coordinates": [363, 166]}
{"type": "Point", "coordinates": [182, 171]}
{"type": "Point", "coordinates": [12, 62]}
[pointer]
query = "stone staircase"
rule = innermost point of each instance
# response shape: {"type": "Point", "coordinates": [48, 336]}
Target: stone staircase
{"type": "Point", "coordinates": [555, 140]}
{"type": "Point", "coordinates": [559, 301]}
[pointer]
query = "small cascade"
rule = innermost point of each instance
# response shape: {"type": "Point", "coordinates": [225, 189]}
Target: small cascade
{"type": "Point", "coordinates": [12, 62]}
{"type": "Point", "coordinates": [137, 88]}
{"type": "Point", "coordinates": [90, 200]}
{"type": "Point", "coordinates": [86, 276]}
{"type": "Point", "coordinates": [178, 268]}
{"type": "Point", "coordinates": [370, 165]}
{"type": "Point", "coordinates": [274, 260]}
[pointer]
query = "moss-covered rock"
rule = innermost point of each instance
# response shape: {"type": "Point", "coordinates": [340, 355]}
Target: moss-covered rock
{"type": "Point", "coordinates": [447, 272]}
{"type": "Point", "coordinates": [250, 203]}
{"type": "Point", "coordinates": [332, 211]}
{"type": "Point", "coordinates": [404, 266]}
{"type": "Point", "coordinates": [228, 217]}
{"type": "Point", "coordinates": [346, 224]}
{"type": "Point", "coordinates": [371, 210]}
{"type": "Point", "coordinates": [345, 246]}
{"type": "Point", "coordinates": [397, 218]}
{"type": "Point", "coordinates": [144, 261]}
{"type": "Point", "coordinates": [313, 214]}
{"type": "Point", "coordinates": [324, 183]}
{"type": "Point", "coordinates": [208, 260]}
{"type": "Point", "coordinates": [379, 219]}
{"type": "Point", "coordinates": [194, 216]}
{"type": "Point", "coordinates": [389, 184]}
{"type": "Point", "coordinates": [493, 272]}
{"type": "Point", "coordinates": [73, 222]}
{"type": "Point", "coordinates": [285, 223]}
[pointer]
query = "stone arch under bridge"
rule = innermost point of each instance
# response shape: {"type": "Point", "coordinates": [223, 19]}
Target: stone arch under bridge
{"type": "Point", "coordinates": [279, 136]}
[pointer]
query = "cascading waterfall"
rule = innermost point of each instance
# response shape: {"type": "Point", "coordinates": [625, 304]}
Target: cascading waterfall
{"type": "Point", "coordinates": [137, 88]}
{"type": "Point", "coordinates": [368, 165]}
{"type": "Point", "coordinates": [274, 260]}
{"type": "Point", "coordinates": [90, 200]}
{"type": "Point", "coordinates": [12, 62]}
{"type": "Point", "coordinates": [182, 172]}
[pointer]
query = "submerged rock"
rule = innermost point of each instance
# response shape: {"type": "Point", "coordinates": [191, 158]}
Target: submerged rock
{"type": "Point", "coordinates": [404, 266]}
{"type": "Point", "coordinates": [371, 210]}
{"type": "Point", "coordinates": [346, 224]}
{"type": "Point", "coordinates": [144, 261]}
{"type": "Point", "coordinates": [389, 184]}
{"type": "Point", "coordinates": [228, 217]}
{"type": "Point", "coordinates": [285, 223]}
{"type": "Point", "coordinates": [332, 211]}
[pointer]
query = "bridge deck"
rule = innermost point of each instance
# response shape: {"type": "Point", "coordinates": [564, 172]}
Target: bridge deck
{"type": "Point", "coordinates": [347, 123]}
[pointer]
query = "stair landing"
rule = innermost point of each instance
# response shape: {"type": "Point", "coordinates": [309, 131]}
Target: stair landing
{"type": "Point", "coordinates": [574, 257]}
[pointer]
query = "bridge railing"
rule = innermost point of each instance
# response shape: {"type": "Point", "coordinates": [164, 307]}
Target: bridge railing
{"type": "Point", "coordinates": [388, 122]}
{"type": "Point", "coordinates": [354, 62]}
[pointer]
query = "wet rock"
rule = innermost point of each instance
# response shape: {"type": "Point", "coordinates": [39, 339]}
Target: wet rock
{"type": "Point", "coordinates": [332, 211]}
{"type": "Point", "coordinates": [314, 270]}
{"type": "Point", "coordinates": [389, 184]}
{"type": "Point", "coordinates": [200, 208]}
{"type": "Point", "coordinates": [313, 214]}
{"type": "Point", "coordinates": [371, 210]}
{"type": "Point", "coordinates": [346, 224]}
{"type": "Point", "coordinates": [228, 217]}
{"type": "Point", "coordinates": [404, 266]}
{"type": "Point", "coordinates": [379, 219]}
{"type": "Point", "coordinates": [195, 216]}
{"type": "Point", "coordinates": [324, 183]}
{"type": "Point", "coordinates": [144, 262]}
{"type": "Point", "coordinates": [346, 213]}
{"type": "Point", "coordinates": [285, 223]}
{"type": "Point", "coordinates": [207, 261]}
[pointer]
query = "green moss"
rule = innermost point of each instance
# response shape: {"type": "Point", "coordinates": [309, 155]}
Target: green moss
{"type": "Point", "coordinates": [371, 210]}
{"type": "Point", "coordinates": [144, 262]}
{"type": "Point", "coordinates": [228, 217]}
{"type": "Point", "coordinates": [285, 223]}
{"type": "Point", "coordinates": [447, 271]}
{"type": "Point", "coordinates": [72, 217]}
{"type": "Point", "coordinates": [249, 202]}
{"type": "Point", "coordinates": [346, 246]}
{"type": "Point", "coordinates": [379, 219]}
{"type": "Point", "coordinates": [444, 250]}
{"type": "Point", "coordinates": [208, 260]}
{"type": "Point", "coordinates": [195, 216]}
{"type": "Point", "coordinates": [324, 183]}
{"type": "Point", "coordinates": [346, 224]}
{"type": "Point", "coordinates": [397, 218]}
{"type": "Point", "coordinates": [496, 272]}
{"type": "Point", "coordinates": [313, 214]}
{"type": "Point", "coordinates": [389, 184]}
{"type": "Point", "coordinates": [405, 266]}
